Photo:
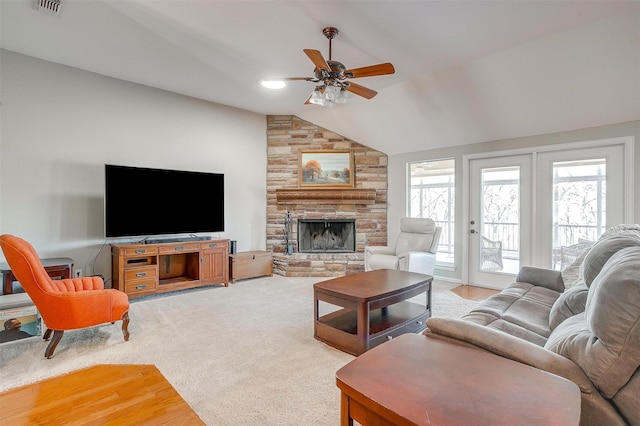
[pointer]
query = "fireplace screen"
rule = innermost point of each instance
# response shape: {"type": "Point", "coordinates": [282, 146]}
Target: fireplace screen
{"type": "Point", "coordinates": [326, 236]}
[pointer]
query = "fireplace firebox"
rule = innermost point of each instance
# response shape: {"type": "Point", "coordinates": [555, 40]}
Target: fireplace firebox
{"type": "Point", "coordinates": [326, 235]}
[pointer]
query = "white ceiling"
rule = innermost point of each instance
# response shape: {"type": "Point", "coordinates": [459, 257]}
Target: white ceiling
{"type": "Point", "coordinates": [466, 71]}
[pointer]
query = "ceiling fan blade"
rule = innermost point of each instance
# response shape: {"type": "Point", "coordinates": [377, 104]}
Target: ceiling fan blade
{"type": "Point", "coordinates": [317, 59]}
{"type": "Point", "coordinates": [365, 92]}
{"type": "Point", "coordinates": [295, 78]}
{"type": "Point", "coordinates": [372, 70]}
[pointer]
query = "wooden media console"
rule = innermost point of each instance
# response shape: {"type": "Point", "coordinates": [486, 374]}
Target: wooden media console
{"type": "Point", "coordinates": [143, 269]}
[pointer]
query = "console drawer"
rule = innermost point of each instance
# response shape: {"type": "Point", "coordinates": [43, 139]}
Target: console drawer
{"type": "Point", "coordinates": [140, 251]}
{"type": "Point", "coordinates": [179, 248]}
{"type": "Point", "coordinates": [141, 286]}
{"type": "Point", "coordinates": [214, 245]}
{"type": "Point", "coordinates": [140, 273]}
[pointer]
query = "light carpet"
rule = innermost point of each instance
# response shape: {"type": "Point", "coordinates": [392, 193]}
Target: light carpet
{"type": "Point", "coordinates": [242, 355]}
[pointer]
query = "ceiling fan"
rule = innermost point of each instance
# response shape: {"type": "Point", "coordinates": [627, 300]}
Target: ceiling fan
{"type": "Point", "coordinates": [332, 78]}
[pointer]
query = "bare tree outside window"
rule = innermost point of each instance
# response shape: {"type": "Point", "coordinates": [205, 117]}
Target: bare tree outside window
{"type": "Point", "coordinates": [432, 195]}
{"type": "Point", "coordinates": [501, 207]}
{"type": "Point", "coordinates": [579, 208]}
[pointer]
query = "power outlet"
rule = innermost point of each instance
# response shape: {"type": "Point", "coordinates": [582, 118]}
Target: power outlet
{"type": "Point", "coordinates": [78, 273]}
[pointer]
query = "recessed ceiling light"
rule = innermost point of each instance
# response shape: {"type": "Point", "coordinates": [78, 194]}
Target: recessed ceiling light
{"type": "Point", "coordinates": [273, 84]}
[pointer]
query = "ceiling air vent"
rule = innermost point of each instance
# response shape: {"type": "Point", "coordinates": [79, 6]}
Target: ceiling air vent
{"type": "Point", "coordinates": [50, 7]}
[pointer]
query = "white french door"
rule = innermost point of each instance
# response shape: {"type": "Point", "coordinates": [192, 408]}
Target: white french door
{"type": "Point", "coordinates": [530, 208]}
{"type": "Point", "coordinates": [500, 218]}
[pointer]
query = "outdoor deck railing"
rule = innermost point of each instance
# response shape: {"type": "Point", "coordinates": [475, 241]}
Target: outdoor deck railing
{"type": "Point", "coordinates": [507, 232]}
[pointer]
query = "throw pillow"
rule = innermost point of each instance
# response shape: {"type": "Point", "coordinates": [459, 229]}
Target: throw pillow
{"type": "Point", "coordinates": [572, 273]}
{"type": "Point", "coordinates": [570, 303]}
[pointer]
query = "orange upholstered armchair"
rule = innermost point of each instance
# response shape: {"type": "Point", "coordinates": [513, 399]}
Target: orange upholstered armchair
{"type": "Point", "coordinates": [66, 304]}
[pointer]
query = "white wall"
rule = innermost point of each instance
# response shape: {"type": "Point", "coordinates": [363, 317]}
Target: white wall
{"type": "Point", "coordinates": [584, 77]}
{"type": "Point", "coordinates": [397, 194]}
{"type": "Point", "coordinates": [60, 125]}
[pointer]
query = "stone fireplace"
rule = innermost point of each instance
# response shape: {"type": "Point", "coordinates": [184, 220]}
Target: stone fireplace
{"type": "Point", "coordinates": [298, 216]}
{"type": "Point", "coordinates": [326, 236]}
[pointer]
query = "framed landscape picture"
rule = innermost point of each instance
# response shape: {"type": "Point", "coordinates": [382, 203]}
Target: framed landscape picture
{"type": "Point", "coordinates": [325, 169]}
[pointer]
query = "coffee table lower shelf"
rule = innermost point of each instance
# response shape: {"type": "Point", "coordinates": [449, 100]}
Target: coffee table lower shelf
{"type": "Point", "coordinates": [340, 328]}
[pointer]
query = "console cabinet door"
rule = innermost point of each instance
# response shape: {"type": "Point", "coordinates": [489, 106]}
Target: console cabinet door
{"type": "Point", "coordinates": [214, 264]}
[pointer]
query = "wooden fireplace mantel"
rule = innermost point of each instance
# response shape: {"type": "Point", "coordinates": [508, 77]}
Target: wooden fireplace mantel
{"type": "Point", "coordinates": [326, 196]}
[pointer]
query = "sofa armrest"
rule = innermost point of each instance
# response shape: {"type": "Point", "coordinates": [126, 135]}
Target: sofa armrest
{"type": "Point", "coordinates": [380, 250]}
{"type": "Point", "coordinates": [543, 277]}
{"type": "Point", "coordinates": [420, 262]}
{"type": "Point", "coordinates": [510, 347]}
{"type": "Point", "coordinates": [383, 258]}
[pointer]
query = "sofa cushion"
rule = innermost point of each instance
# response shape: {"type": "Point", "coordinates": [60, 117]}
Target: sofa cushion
{"type": "Point", "coordinates": [522, 310]}
{"type": "Point", "coordinates": [605, 340]}
{"type": "Point", "coordinates": [627, 399]}
{"type": "Point", "coordinates": [506, 327]}
{"type": "Point", "coordinates": [570, 303]}
{"type": "Point", "coordinates": [607, 246]}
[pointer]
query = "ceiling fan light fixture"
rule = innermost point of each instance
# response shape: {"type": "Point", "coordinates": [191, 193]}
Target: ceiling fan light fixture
{"type": "Point", "coordinates": [317, 96]}
{"type": "Point", "coordinates": [273, 84]}
{"type": "Point", "coordinates": [328, 96]}
{"type": "Point", "coordinates": [343, 97]}
{"type": "Point", "coordinates": [331, 93]}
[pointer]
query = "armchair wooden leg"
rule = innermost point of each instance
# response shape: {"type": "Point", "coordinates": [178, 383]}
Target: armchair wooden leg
{"type": "Point", "coordinates": [57, 335]}
{"type": "Point", "coordinates": [125, 326]}
{"type": "Point", "coordinates": [47, 334]}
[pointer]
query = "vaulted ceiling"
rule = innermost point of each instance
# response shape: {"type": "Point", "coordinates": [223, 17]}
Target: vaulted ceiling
{"type": "Point", "coordinates": [466, 71]}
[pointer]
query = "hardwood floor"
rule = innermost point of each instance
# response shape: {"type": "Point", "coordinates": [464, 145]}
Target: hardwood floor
{"type": "Point", "coordinates": [474, 293]}
{"type": "Point", "coordinates": [102, 394]}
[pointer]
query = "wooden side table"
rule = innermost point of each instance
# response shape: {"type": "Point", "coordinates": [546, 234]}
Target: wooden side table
{"type": "Point", "coordinates": [422, 380]}
{"type": "Point", "coordinates": [57, 268]}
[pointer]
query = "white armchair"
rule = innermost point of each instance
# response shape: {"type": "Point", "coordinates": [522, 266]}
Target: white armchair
{"type": "Point", "coordinates": [415, 249]}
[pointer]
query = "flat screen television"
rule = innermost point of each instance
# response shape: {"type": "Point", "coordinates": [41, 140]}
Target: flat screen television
{"type": "Point", "coordinates": [147, 202]}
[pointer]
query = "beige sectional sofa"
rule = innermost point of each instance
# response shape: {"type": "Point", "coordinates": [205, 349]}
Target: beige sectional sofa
{"type": "Point", "coordinates": [587, 331]}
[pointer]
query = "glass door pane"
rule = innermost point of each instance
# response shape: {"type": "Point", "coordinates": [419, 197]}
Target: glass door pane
{"type": "Point", "coordinates": [579, 208]}
{"type": "Point", "coordinates": [500, 226]}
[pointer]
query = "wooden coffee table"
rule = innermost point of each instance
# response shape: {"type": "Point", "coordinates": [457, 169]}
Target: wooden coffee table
{"type": "Point", "coordinates": [423, 380]}
{"type": "Point", "coordinates": [372, 308]}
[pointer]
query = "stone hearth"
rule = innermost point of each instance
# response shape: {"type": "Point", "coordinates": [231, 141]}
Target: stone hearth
{"type": "Point", "coordinates": [365, 204]}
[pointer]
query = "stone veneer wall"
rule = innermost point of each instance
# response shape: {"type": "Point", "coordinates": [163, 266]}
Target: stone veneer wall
{"type": "Point", "coordinates": [288, 135]}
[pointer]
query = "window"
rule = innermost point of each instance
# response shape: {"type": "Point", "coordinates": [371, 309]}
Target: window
{"type": "Point", "coordinates": [579, 207]}
{"type": "Point", "coordinates": [432, 195]}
